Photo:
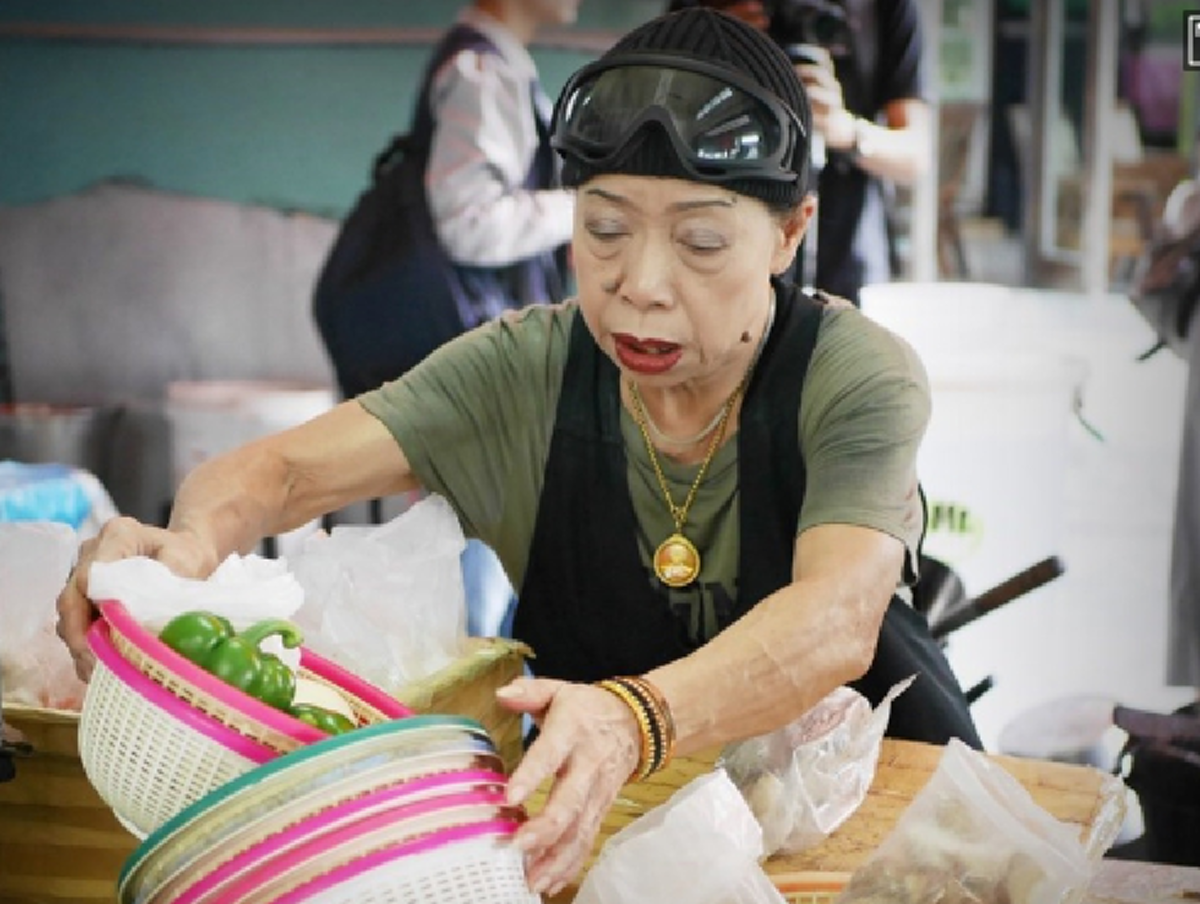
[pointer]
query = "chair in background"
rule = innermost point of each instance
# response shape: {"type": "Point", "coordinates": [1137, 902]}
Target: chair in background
{"type": "Point", "coordinates": [1141, 181]}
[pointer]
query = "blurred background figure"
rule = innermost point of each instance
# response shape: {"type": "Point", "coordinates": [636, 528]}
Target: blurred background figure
{"type": "Point", "coordinates": [1166, 291]}
{"type": "Point", "coordinates": [861, 61]}
{"type": "Point", "coordinates": [463, 220]}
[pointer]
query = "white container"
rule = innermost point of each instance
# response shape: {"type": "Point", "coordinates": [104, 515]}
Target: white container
{"type": "Point", "coordinates": [993, 461]}
{"type": "Point", "coordinates": [214, 416]}
{"type": "Point", "coordinates": [210, 417]}
{"type": "Point", "coordinates": [947, 318]}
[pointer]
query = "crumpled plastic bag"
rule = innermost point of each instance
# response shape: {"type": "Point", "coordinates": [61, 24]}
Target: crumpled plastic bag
{"type": "Point", "coordinates": [974, 835]}
{"type": "Point", "coordinates": [386, 601]}
{"type": "Point", "coordinates": [805, 779]}
{"type": "Point", "coordinates": [36, 668]}
{"type": "Point", "coordinates": [701, 847]}
{"type": "Point", "coordinates": [243, 589]}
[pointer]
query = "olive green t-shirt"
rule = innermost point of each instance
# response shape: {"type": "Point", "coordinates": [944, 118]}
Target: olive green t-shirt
{"type": "Point", "coordinates": [475, 421]}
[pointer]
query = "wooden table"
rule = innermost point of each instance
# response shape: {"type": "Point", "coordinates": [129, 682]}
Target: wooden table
{"type": "Point", "coordinates": [1078, 795]}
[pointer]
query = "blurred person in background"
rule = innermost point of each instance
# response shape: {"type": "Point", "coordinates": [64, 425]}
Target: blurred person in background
{"type": "Point", "coordinates": [861, 61]}
{"type": "Point", "coordinates": [1166, 292]}
{"type": "Point", "coordinates": [489, 211]}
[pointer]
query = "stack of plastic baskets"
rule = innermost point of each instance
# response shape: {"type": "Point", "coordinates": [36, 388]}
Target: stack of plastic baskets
{"type": "Point", "coordinates": [157, 732]}
{"type": "Point", "coordinates": [411, 810]}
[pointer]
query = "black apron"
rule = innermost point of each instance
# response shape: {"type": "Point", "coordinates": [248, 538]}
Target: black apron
{"type": "Point", "coordinates": [590, 608]}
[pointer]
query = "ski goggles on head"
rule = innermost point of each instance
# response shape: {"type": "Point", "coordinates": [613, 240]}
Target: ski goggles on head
{"type": "Point", "coordinates": [723, 126]}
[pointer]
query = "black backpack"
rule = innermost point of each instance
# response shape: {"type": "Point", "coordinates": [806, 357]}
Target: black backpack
{"type": "Point", "coordinates": [388, 294]}
{"type": "Point", "coordinates": [384, 298]}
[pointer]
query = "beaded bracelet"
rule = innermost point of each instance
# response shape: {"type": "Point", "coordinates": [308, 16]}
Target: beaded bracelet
{"type": "Point", "coordinates": [663, 714]}
{"type": "Point", "coordinates": [655, 722]}
{"type": "Point", "coordinates": [649, 752]}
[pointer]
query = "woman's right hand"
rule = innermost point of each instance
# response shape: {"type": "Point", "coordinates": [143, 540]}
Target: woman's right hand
{"type": "Point", "coordinates": [588, 745]}
{"type": "Point", "coordinates": [122, 538]}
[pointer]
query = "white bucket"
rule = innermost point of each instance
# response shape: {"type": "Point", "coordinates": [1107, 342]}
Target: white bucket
{"type": "Point", "coordinates": [210, 417]}
{"type": "Point", "coordinates": [993, 464]}
{"type": "Point", "coordinates": [993, 461]}
{"type": "Point", "coordinates": [945, 318]}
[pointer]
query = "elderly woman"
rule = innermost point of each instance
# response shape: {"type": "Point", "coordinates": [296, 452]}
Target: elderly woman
{"type": "Point", "coordinates": [702, 481]}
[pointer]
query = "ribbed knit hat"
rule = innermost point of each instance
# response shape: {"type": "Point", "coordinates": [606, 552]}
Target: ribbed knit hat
{"type": "Point", "coordinates": [725, 41]}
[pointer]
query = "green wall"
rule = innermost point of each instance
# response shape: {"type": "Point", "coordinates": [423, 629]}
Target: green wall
{"type": "Point", "coordinates": [290, 126]}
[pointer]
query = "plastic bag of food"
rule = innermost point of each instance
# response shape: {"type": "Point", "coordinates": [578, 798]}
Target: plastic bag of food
{"type": "Point", "coordinates": [36, 668]}
{"type": "Point", "coordinates": [701, 847]}
{"type": "Point", "coordinates": [804, 780]}
{"type": "Point", "coordinates": [973, 835]}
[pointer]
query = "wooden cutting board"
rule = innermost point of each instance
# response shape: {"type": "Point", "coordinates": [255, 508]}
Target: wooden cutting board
{"type": "Point", "coordinates": [1079, 795]}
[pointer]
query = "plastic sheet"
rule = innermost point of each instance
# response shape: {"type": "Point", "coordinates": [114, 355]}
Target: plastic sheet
{"type": "Point", "coordinates": [701, 847]}
{"type": "Point", "coordinates": [804, 780]}
{"type": "Point", "coordinates": [386, 601]}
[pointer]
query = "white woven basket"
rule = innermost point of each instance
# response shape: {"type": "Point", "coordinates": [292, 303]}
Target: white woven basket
{"type": "Point", "coordinates": [146, 783]}
{"type": "Point", "coordinates": [479, 871]}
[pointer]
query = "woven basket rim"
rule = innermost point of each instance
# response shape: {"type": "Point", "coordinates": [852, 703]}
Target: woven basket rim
{"type": "Point", "coordinates": [444, 839]}
{"type": "Point", "coordinates": [229, 705]}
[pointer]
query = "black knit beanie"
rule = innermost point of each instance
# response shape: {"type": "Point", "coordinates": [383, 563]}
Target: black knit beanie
{"type": "Point", "coordinates": [728, 42]}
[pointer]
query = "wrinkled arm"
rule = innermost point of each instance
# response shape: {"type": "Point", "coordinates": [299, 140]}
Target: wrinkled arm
{"type": "Point", "coordinates": [794, 647]}
{"type": "Point", "coordinates": [230, 502]}
{"type": "Point", "coordinates": [282, 481]}
{"type": "Point", "coordinates": [766, 669]}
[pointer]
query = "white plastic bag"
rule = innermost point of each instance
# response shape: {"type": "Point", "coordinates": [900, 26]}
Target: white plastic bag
{"type": "Point", "coordinates": [973, 835]}
{"type": "Point", "coordinates": [701, 847]}
{"type": "Point", "coordinates": [804, 780]}
{"type": "Point", "coordinates": [387, 601]}
{"type": "Point", "coordinates": [243, 589]}
{"type": "Point", "coordinates": [36, 667]}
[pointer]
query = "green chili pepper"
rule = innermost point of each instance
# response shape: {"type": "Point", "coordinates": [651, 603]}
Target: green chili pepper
{"type": "Point", "coordinates": [236, 658]}
{"type": "Point", "coordinates": [325, 719]}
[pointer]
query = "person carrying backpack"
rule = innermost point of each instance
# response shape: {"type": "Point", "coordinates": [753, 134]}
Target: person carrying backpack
{"type": "Point", "coordinates": [1165, 291]}
{"type": "Point", "coordinates": [460, 223]}
{"type": "Point", "coordinates": [462, 219]}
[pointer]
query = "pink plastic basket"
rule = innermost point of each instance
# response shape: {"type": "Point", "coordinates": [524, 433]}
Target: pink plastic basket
{"type": "Point", "coordinates": [391, 810]}
{"type": "Point", "coordinates": [146, 752]}
{"type": "Point", "coordinates": [269, 835]}
{"type": "Point", "coordinates": [467, 864]}
{"type": "Point", "coordinates": [272, 727]}
{"type": "Point", "coordinates": [291, 788]}
{"type": "Point", "coordinates": [157, 732]}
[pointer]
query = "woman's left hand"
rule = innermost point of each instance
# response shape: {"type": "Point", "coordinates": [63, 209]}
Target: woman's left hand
{"type": "Point", "coordinates": [590, 743]}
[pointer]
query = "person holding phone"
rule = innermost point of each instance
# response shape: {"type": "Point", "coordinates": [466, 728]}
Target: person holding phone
{"type": "Point", "coordinates": [861, 62]}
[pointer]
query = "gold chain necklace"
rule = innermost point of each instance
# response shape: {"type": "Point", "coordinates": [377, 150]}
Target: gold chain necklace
{"type": "Point", "coordinates": [677, 561]}
{"type": "Point", "coordinates": [681, 442]}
